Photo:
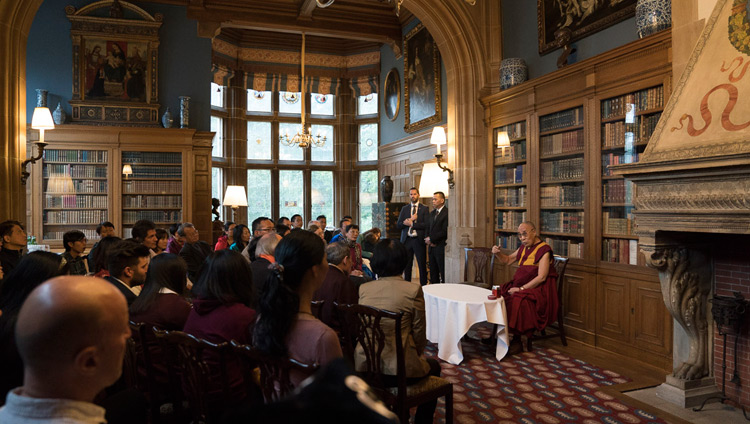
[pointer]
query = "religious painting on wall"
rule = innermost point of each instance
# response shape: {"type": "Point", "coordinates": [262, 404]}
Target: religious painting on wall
{"type": "Point", "coordinates": [582, 18]}
{"type": "Point", "coordinates": [392, 94]}
{"type": "Point", "coordinates": [115, 64]}
{"type": "Point", "coordinates": [421, 80]}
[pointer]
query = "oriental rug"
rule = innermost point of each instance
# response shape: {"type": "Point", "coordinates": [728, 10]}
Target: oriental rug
{"type": "Point", "coordinates": [543, 386]}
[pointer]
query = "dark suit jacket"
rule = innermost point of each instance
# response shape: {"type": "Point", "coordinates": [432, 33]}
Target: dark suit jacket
{"type": "Point", "coordinates": [129, 295]}
{"type": "Point", "coordinates": [437, 228]}
{"type": "Point", "coordinates": [194, 255]}
{"type": "Point", "coordinates": [260, 271]}
{"type": "Point", "coordinates": [423, 213]}
{"type": "Point", "coordinates": [335, 288]}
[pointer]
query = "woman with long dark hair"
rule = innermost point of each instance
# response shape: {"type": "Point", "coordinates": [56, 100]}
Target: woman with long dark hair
{"type": "Point", "coordinates": [241, 237]}
{"type": "Point", "coordinates": [162, 301]}
{"type": "Point", "coordinates": [33, 269]}
{"type": "Point", "coordinates": [286, 325]}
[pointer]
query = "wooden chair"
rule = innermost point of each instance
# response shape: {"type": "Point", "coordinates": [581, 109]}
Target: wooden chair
{"type": "Point", "coordinates": [317, 308]}
{"type": "Point", "coordinates": [206, 394]}
{"type": "Point", "coordinates": [145, 369]}
{"type": "Point", "coordinates": [275, 371]}
{"type": "Point", "coordinates": [371, 337]}
{"type": "Point", "coordinates": [560, 263]}
{"type": "Point", "coordinates": [483, 262]}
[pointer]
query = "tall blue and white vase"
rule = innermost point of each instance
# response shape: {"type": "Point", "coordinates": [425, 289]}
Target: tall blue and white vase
{"type": "Point", "coordinates": [184, 111]}
{"type": "Point", "coordinates": [59, 115]}
{"type": "Point", "coordinates": [513, 71]}
{"type": "Point", "coordinates": [652, 16]}
{"type": "Point", "coordinates": [41, 98]}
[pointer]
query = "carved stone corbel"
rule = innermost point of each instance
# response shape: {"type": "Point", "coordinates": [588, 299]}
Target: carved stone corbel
{"type": "Point", "coordinates": [685, 276]}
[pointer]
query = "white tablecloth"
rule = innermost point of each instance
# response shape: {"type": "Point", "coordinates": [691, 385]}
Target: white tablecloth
{"type": "Point", "coordinates": [452, 309]}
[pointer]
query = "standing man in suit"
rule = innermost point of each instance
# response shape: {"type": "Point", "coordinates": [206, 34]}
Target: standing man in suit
{"type": "Point", "coordinates": [437, 234]}
{"type": "Point", "coordinates": [412, 221]}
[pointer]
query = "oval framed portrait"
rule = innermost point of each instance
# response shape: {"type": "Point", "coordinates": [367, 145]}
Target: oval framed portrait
{"type": "Point", "coordinates": [392, 94]}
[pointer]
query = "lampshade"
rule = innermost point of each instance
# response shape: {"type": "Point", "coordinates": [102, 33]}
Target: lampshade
{"type": "Point", "coordinates": [438, 136]}
{"type": "Point", "coordinates": [235, 196]}
{"type": "Point", "coordinates": [42, 119]}
{"type": "Point", "coordinates": [433, 179]}
{"type": "Point", "coordinates": [502, 139]}
{"type": "Point", "coordinates": [127, 170]}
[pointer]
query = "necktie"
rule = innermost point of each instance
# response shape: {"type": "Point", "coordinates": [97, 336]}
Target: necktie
{"type": "Point", "coordinates": [413, 212]}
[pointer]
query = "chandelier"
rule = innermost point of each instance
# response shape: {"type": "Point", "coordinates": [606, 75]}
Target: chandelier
{"type": "Point", "coordinates": [396, 4]}
{"type": "Point", "coordinates": [304, 138]}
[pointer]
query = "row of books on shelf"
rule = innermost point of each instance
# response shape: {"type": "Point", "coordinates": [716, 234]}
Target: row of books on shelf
{"type": "Point", "coordinates": [74, 171]}
{"type": "Point", "coordinates": [617, 191]}
{"type": "Point", "coordinates": [617, 222]}
{"type": "Point", "coordinates": [554, 144]}
{"type": "Point", "coordinates": [141, 201]}
{"type": "Point", "coordinates": [74, 201]}
{"type": "Point", "coordinates": [93, 156]}
{"type": "Point", "coordinates": [509, 220]}
{"type": "Point", "coordinates": [516, 151]}
{"type": "Point", "coordinates": [622, 134]}
{"type": "Point", "coordinates": [511, 197]}
{"type": "Point", "coordinates": [562, 195]}
{"type": "Point", "coordinates": [58, 235]}
{"type": "Point", "coordinates": [567, 248]}
{"type": "Point", "coordinates": [563, 169]}
{"type": "Point", "coordinates": [151, 157]}
{"type": "Point", "coordinates": [156, 187]}
{"type": "Point", "coordinates": [508, 241]}
{"type": "Point", "coordinates": [562, 222]}
{"type": "Point", "coordinates": [509, 175]}
{"type": "Point", "coordinates": [620, 251]}
{"type": "Point", "coordinates": [130, 217]}
{"type": "Point", "coordinates": [650, 98]}
{"type": "Point", "coordinates": [75, 217]}
{"type": "Point", "coordinates": [70, 186]}
{"type": "Point", "coordinates": [617, 159]}
{"type": "Point", "coordinates": [517, 130]}
{"type": "Point", "coordinates": [158, 171]}
{"type": "Point", "coordinates": [565, 118]}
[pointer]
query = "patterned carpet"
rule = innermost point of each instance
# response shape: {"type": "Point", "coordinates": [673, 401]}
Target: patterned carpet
{"type": "Point", "coordinates": [543, 386]}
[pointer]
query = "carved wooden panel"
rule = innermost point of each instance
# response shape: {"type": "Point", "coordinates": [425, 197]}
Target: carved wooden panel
{"type": "Point", "coordinates": [577, 299]}
{"type": "Point", "coordinates": [613, 307]}
{"type": "Point", "coordinates": [652, 327]}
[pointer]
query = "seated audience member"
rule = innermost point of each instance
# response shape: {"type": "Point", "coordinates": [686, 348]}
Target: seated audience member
{"type": "Point", "coordinates": [391, 292]}
{"type": "Point", "coordinates": [104, 229]}
{"type": "Point", "coordinates": [34, 269]}
{"type": "Point", "coordinates": [221, 307]}
{"type": "Point", "coordinates": [264, 256]}
{"type": "Point", "coordinates": [336, 286]}
{"type": "Point", "coordinates": [144, 232]}
{"type": "Point", "coordinates": [296, 222]}
{"type": "Point", "coordinates": [368, 240]}
{"type": "Point", "coordinates": [227, 238]}
{"type": "Point", "coordinates": [286, 325]}
{"type": "Point", "coordinates": [128, 265]}
{"type": "Point", "coordinates": [315, 229]}
{"type": "Point", "coordinates": [241, 237]}
{"type": "Point", "coordinates": [101, 259]}
{"type": "Point", "coordinates": [194, 251]}
{"type": "Point", "coordinates": [282, 230]}
{"type": "Point", "coordinates": [14, 240]}
{"type": "Point", "coordinates": [74, 242]}
{"type": "Point", "coordinates": [341, 234]}
{"type": "Point", "coordinates": [162, 239]}
{"type": "Point", "coordinates": [260, 226]}
{"type": "Point", "coordinates": [352, 232]}
{"type": "Point", "coordinates": [71, 333]}
{"type": "Point", "coordinates": [284, 221]}
{"type": "Point", "coordinates": [531, 296]}
{"type": "Point", "coordinates": [176, 242]}
{"type": "Point", "coordinates": [323, 221]}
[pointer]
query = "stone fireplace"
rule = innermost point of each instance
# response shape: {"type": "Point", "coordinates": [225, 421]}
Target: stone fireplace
{"type": "Point", "coordinates": [692, 204]}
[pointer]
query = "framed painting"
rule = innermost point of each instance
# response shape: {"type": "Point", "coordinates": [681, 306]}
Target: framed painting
{"type": "Point", "coordinates": [115, 65]}
{"type": "Point", "coordinates": [581, 18]}
{"type": "Point", "coordinates": [421, 80]}
{"type": "Point", "coordinates": [392, 94]}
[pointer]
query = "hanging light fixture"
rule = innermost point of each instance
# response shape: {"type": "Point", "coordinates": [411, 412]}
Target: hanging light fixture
{"type": "Point", "coordinates": [304, 138]}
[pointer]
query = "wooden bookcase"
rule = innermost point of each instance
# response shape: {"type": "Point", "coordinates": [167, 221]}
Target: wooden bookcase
{"type": "Point", "coordinates": [79, 182]}
{"type": "Point", "coordinates": [575, 122]}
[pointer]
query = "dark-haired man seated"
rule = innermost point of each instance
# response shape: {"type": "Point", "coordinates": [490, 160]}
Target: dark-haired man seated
{"type": "Point", "coordinates": [13, 241]}
{"type": "Point", "coordinates": [336, 287]}
{"type": "Point", "coordinates": [127, 267]}
{"type": "Point", "coordinates": [104, 229]}
{"type": "Point", "coordinates": [74, 242]}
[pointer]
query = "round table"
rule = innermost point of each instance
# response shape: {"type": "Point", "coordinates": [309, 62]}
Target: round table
{"type": "Point", "coordinates": [451, 309]}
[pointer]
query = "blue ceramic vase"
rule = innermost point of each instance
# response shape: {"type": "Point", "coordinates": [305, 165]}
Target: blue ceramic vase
{"type": "Point", "coordinates": [652, 16]}
{"type": "Point", "coordinates": [513, 71]}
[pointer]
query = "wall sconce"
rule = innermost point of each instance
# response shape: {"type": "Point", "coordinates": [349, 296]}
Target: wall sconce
{"type": "Point", "coordinates": [41, 120]}
{"type": "Point", "coordinates": [503, 141]}
{"type": "Point", "coordinates": [433, 180]}
{"type": "Point", "coordinates": [235, 197]}
{"type": "Point", "coordinates": [438, 139]}
{"type": "Point", "coordinates": [127, 170]}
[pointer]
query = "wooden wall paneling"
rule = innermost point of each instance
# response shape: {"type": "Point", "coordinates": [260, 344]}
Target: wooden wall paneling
{"type": "Point", "coordinates": [613, 314]}
{"type": "Point", "coordinates": [652, 324]}
{"type": "Point", "coordinates": [578, 300]}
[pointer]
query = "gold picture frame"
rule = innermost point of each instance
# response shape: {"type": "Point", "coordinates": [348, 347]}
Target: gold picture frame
{"type": "Point", "coordinates": [392, 94]}
{"type": "Point", "coordinates": [422, 97]}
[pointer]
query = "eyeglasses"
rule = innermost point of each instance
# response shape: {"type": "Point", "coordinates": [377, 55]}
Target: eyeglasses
{"type": "Point", "coordinates": [523, 234]}
{"type": "Point", "coordinates": [266, 229]}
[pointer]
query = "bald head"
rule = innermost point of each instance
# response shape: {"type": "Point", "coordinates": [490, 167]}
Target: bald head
{"type": "Point", "coordinates": [267, 244]}
{"type": "Point", "coordinates": [76, 327]}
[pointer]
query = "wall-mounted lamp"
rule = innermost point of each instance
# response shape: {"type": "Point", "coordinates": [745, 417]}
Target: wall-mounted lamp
{"type": "Point", "coordinates": [433, 180]}
{"type": "Point", "coordinates": [438, 139]}
{"type": "Point", "coordinates": [41, 120]}
{"type": "Point", "coordinates": [235, 197]}
{"type": "Point", "coordinates": [503, 141]}
{"type": "Point", "coordinates": [127, 170]}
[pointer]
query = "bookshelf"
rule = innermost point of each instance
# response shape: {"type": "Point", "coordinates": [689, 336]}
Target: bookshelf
{"type": "Point", "coordinates": [511, 194]}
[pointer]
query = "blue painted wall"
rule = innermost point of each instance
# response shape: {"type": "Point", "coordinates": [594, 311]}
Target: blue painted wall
{"type": "Point", "coordinates": [521, 38]}
{"type": "Point", "coordinates": [184, 60]}
{"type": "Point", "coordinates": [394, 130]}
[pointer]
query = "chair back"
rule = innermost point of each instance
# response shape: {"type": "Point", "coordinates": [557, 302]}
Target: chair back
{"type": "Point", "coordinates": [130, 364]}
{"type": "Point", "coordinates": [275, 371]}
{"type": "Point", "coordinates": [202, 364]}
{"type": "Point", "coordinates": [560, 263]}
{"type": "Point", "coordinates": [483, 264]}
{"type": "Point", "coordinates": [317, 308]}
